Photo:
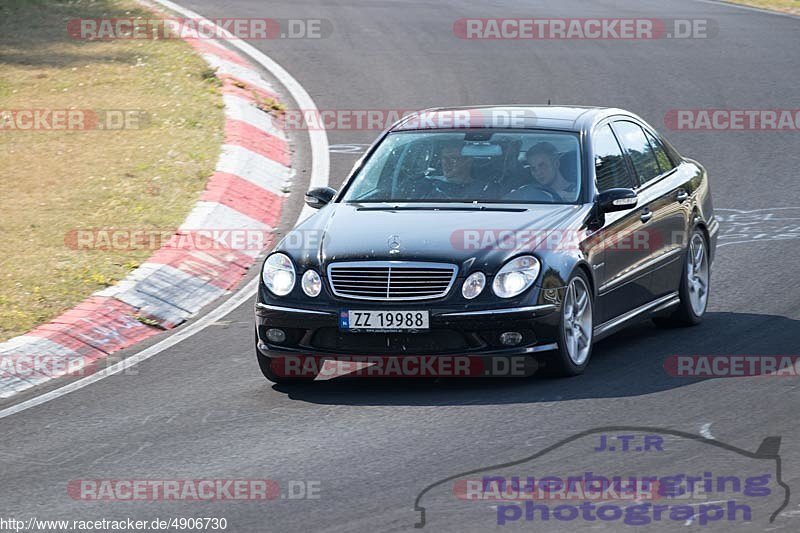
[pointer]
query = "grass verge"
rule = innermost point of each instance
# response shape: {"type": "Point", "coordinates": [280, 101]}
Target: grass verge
{"type": "Point", "coordinates": [147, 176]}
{"type": "Point", "coordinates": [786, 6]}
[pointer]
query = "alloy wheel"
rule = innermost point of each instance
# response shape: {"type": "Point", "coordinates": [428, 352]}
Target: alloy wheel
{"type": "Point", "coordinates": [577, 321]}
{"type": "Point", "coordinates": [697, 274]}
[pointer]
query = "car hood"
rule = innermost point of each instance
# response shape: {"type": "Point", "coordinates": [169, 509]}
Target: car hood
{"type": "Point", "coordinates": [460, 234]}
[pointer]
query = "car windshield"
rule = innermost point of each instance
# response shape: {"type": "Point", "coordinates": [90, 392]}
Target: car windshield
{"type": "Point", "coordinates": [506, 166]}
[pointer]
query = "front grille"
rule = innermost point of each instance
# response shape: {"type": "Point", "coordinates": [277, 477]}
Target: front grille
{"type": "Point", "coordinates": [391, 280]}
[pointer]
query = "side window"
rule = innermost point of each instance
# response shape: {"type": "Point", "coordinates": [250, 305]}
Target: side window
{"type": "Point", "coordinates": [609, 162]}
{"type": "Point", "coordinates": [661, 154]}
{"type": "Point", "coordinates": [641, 153]}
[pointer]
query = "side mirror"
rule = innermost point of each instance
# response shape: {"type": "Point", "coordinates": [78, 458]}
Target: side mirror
{"type": "Point", "coordinates": [319, 197]}
{"type": "Point", "coordinates": [617, 200]}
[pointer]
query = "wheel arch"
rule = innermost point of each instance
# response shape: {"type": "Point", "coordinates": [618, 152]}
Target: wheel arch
{"type": "Point", "coordinates": [584, 267]}
{"type": "Point", "coordinates": [698, 222]}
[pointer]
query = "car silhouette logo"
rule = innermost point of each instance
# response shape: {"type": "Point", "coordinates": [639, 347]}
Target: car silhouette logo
{"type": "Point", "coordinates": [767, 451]}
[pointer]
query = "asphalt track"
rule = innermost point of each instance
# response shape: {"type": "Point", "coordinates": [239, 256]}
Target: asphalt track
{"type": "Point", "coordinates": [202, 410]}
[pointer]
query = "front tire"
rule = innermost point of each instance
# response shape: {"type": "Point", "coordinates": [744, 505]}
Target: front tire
{"type": "Point", "coordinates": [694, 287]}
{"type": "Point", "coordinates": [576, 329]}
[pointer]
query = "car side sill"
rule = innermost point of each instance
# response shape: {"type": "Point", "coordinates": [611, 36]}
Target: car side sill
{"type": "Point", "coordinates": [659, 304]}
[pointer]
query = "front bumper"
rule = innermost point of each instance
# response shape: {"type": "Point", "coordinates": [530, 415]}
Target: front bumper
{"type": "Point", "coordinates": [452, 331]}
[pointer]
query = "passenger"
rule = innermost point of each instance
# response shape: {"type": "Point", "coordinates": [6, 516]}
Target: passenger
{"type": "Point", "coordinates": [544, 166]}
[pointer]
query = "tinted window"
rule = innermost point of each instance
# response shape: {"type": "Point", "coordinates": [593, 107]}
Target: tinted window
{"type": "Point", "coordinates": [661, 154]}
{"type": "Point", "coordinates": [609, 163]}
{"type": "Point", "coordinates": [641, 153]}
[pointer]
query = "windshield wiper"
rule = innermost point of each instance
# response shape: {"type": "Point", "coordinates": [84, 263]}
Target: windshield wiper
{"type": "Point", "coordinates": [395, 207]}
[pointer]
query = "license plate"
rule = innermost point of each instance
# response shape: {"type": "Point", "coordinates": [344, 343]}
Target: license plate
{"type": "Point", "coordinates": [384, 320]}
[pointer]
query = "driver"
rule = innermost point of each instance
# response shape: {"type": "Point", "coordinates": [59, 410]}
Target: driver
{"type": "Point", "coordinates": [455, 167]}
{"type": "Point", "coordinates": [456, 181]}
{"type": "Point", "coordinates": [544, 167]}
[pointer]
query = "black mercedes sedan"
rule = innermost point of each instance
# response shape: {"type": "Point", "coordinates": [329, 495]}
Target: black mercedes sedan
{"type": "Point", "coordinates": [485, 233]}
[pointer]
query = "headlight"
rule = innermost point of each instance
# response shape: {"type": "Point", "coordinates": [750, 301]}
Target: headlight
{"type": "Point", "coordinates": [311, 283]}
{"type": "Point", "coordinates": [516, 276]}
{"type": "Point", "coordinates": [473, 285]}
{"type": "Point", "coordinates": [278, 274]}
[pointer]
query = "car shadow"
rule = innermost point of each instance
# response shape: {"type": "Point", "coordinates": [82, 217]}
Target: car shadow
{"type": "Point", "coordinates": [629, 363]}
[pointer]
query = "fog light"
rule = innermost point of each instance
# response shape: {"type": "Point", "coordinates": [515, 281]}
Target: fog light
{"type": "Point", "coordinates": [276, 335]}
{"type": "Point", "coordinates": [511, 338]}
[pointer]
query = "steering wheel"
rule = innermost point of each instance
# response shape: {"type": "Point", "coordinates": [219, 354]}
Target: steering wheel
{"type": "Point", "coordinates": [531, 193]}
{"type": "Point", "coordinates": [417, 186]}
{"type": "Point", "coordinates": [442, 190]}
{"type": "Point", "coordinates": [426, 188]}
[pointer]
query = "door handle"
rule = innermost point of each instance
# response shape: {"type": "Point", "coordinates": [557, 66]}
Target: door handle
{"type": "Point", "coordinates": [682, 196]}
{"type": "Point", "coordinates": [646, 215]}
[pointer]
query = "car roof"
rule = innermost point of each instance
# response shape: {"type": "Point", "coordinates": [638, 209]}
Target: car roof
{"type": "Point", "coordinates": [561, 117]}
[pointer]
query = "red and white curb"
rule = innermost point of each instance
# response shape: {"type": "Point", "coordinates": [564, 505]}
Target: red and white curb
{"type": "Point", "coordinates": [246, 192]}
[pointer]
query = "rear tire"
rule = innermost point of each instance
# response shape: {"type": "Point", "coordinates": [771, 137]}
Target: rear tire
{"type": "Point", "coordinates": [694, 287]}
{"type": "Point", "coordinates": [576, 329]}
